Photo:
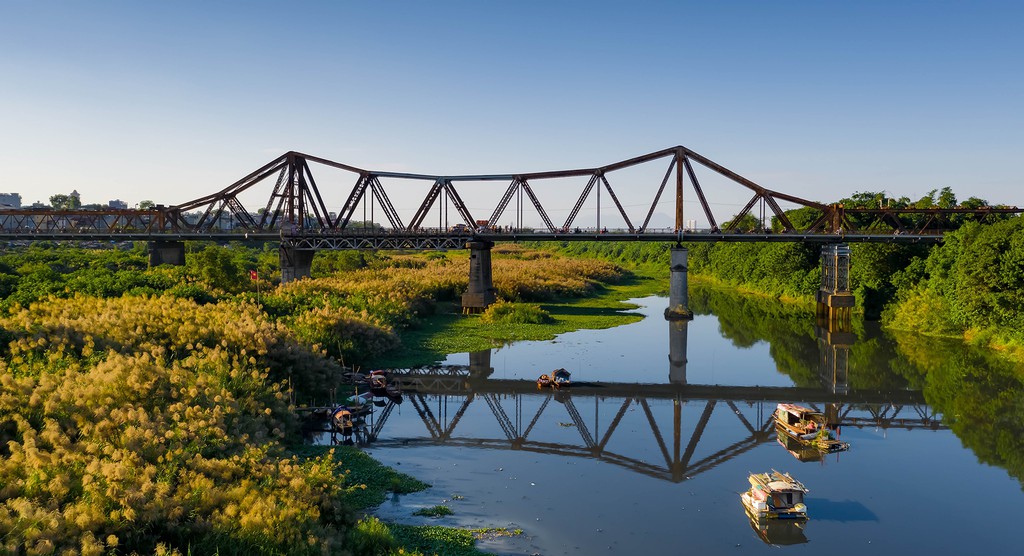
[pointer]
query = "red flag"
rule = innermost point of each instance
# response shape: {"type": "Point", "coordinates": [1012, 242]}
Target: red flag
{"type": "Point", "coordinates": [253, 275]}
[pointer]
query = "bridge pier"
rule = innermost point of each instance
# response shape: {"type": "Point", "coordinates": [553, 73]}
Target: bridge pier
{"type": "Point", "coordinates": [835, 301]}
{"type": "Point", "coordinates": [166, 252]}
{"type": "Point", "coordinates": [480, 293]}
{"type": "Point", "coordinates": [295, 263]}
{"type": "Point", "coordinates": [678, 295]}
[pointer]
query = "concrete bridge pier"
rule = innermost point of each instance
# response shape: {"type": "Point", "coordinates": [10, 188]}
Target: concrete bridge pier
{"type": "Point", "coordinates": [480, 293]}
{"type": "Point", "coordinates": [835, 301]}
{"type": "Point", "coordinates": [678, 295]}
{"type": "Point", "coordinates": [295, 263]}
{"type": "Point", "coordinates": [166, 252]}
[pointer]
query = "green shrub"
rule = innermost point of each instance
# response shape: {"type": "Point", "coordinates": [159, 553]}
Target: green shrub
{"type": "Point", "coordinates": [503, 312]}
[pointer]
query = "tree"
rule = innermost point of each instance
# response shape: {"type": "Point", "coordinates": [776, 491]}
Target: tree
{"type": "Point", "coordinates": [219, 268]}
{"type": "Point", "coordinates": [746, 223]}
{"type": "Point", "coordinates": [146, 205]}
{"type": "Point", "coordinates": [64, 202]}
{"type": "Point", "coordinates": [946, 198]}
{"type": "Point", "coordinates": [800, 218]}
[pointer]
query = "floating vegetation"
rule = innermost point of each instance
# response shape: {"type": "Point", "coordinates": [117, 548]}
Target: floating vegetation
{"type": "Point", "coordinates": [443, 541]}
{"type": "Point", "coordinates": [434, 511]}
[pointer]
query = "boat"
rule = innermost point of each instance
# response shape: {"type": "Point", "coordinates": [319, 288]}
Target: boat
{"type": "Point", "coordinates": [774, 495]}
{"type": "Point", "coordinates": [378, 383]}
{"type": "Point", "coordinates": [560, 378]}
{"type": "Point", "coordinates": [342, 421]}
{"type": "Point", "coordinates": [557, 379]}
{"type": "Point", "coordinates": [807, 426]}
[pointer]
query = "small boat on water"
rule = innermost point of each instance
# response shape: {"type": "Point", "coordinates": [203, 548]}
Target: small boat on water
{"type": "Point", "coordinates": [378, 383]}
{"type": "Point", "coordinates": [558, 378]}
{"type": "Point", "coordinates": [342, 421]}
{"type": "Point", "coordinates": [808, 426]}
{"type": "Point", "coordinates": [774, 495]}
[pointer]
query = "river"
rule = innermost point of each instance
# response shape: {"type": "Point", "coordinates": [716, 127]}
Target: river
{"type": "Point", "coordinates": [649, 454]}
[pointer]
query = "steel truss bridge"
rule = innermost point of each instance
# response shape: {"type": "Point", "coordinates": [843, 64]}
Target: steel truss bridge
{"type": "Point", "coordinates": [675, 418]}
{"type": "Point", "coordinates": [285, 200]}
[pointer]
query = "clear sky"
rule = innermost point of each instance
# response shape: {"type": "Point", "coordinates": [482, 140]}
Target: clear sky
{"type": "Point", "coordinates": [170, 101]}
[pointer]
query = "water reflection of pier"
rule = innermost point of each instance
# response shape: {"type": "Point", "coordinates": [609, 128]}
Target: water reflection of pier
{"type": "Point", "coordinates": [442, 397]}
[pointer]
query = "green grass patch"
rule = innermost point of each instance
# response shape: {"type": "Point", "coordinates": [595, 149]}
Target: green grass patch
{"type": "Point", "coordinates": [450, 332]}
{"type": "Point", "coordinates": [434, 511]}
{"type": "Point", "coordinates": [362, 469]}
{"type": "Point", "coordinates": [504, 312]}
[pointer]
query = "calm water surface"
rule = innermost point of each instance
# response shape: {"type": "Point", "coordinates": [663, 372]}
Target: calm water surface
{"type": "Point", "coordinates": [650, 458]}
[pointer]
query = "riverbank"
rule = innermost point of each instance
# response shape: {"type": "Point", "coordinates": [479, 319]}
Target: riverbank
{"type": "Point", "coordinates": [153, 415]}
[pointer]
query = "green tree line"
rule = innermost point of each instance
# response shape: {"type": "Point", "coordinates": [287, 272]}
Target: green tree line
{"type": "Point", "coordinates": [971, 286]}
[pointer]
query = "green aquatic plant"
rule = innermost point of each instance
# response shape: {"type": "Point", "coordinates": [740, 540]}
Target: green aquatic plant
{"type": "Point", "coordinates": [434, 511]}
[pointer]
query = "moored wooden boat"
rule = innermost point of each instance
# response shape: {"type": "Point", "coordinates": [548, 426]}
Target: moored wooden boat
{"type": "Point", "coordinates": [342, 421]}
{"type": "Point", "coordinates": [774, 495]}
{"type": "Point", "coordinates": [377, 382]}
{"type": "Point", "coordinates": [808, 426]}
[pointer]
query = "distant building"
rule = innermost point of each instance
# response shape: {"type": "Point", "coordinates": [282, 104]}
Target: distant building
{"type": "Point", "coordinates": [117, 204]}
{"type": "Point", "coordinates": [10, 200]}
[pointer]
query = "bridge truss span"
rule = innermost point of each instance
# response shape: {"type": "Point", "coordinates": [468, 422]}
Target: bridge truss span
{"type": "Point", "coordinates": [664, 438]}
{"type": "Point", "coordinates": [660, 196]}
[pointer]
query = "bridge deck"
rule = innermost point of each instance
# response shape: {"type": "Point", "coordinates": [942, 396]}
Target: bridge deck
{"type": "Point", "coordinates": [446, 384]}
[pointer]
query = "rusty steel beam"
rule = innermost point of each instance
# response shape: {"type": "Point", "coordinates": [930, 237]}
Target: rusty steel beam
{"type": "Point", "coordinates": [579, 203]}
{"type": "Point", "coordinates": [618, 205]}
{"type": "Point", "coordinates": [312, 192]}
{"type": "Point", "coordinates": [657, 197]}
{"type": "Point", "coordinates": [735, 219]}
{"type": "Point", "coordinates": [349, 208]}
{"type": "Point", "coordinates": [428, 202]}
{"type": "Point", "coordinates": [679, 158]}
{"type": "Point", "coordinates": [700, 195]}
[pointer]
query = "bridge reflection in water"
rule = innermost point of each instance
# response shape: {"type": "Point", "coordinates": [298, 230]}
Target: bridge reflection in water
{"type": "Point", "coordinates": [673, 419]}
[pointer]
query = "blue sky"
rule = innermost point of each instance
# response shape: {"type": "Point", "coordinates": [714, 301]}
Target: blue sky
{"type": "Point", "coordinates": [173, 100]}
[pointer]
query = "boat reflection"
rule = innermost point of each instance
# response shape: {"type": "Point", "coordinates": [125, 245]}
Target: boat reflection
{"type": "Point", "coordinates": [778, 531]}
{"type": "Point", "coordinates": [802, 451]}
